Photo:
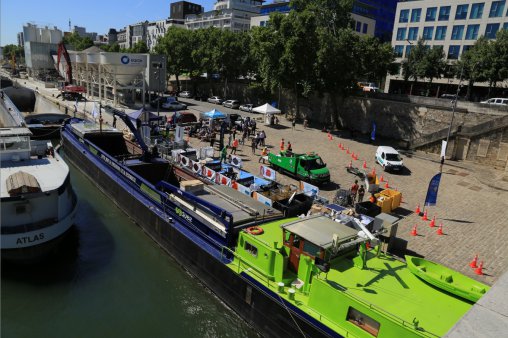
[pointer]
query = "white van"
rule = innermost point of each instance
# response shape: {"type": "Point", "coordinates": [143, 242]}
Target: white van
{"type": "Point", "coordinates": [496, 101]}
{"type": "Point", "coordinates": [389, 158]}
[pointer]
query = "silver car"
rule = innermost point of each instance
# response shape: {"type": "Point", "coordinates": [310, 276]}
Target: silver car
{"type": "Point", "coordinates": [246, 107]}
{"type": "Point", "coordinates": [215, 99]}
{"type": "Point", "coordinates": [175, 105]}
{"type": "Point", "coordinates": [234, 104]}
{"type": "Point", "coordinates": [185, 93]}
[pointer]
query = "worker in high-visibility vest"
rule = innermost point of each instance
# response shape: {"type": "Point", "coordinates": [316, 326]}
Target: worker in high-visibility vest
{"type": "Point", "coordinates": [282, 145]}
{"type": "Point", "coordinates": [264, 153]}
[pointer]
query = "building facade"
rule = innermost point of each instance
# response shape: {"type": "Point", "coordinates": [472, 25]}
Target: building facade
{"type": "Point", "coordinates": [453, 25]}
{"type": "Point", "coordinates": [381, 11]}
{"type": "Point", "coordinates": [21, 39]}
{"type": "Point", "coordinates": [361, 24]}
{"type": "Point", "coordinates": [179, 10]}
{"type": "Point", "coordinates": [227, 14]}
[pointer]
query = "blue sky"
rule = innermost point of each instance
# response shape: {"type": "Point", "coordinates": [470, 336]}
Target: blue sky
{"type": "Point", "coordinates": [94, 15]}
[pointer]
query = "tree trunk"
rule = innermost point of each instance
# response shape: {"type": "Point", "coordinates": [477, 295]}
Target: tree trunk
{"type": "Point", "coordinates": [297, 101]}
{"type": "Point", "coordinates": [177, 83]}
{"type": "Point", "coordinates": [469, 93]}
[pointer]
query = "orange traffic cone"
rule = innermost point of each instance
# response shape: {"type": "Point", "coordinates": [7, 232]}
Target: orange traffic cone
{"type": "Point", "coordinates": [425, 216]}
{"type": "Point", "coordinates": [386, 185]}
{"type": "Point", "coordinates": [474, 262]}
{"type": "Point", "coordinates": [433, 222]}
{"type": "Point", "coordinates": [417, 211]}
{"type": "Point", "coordinates": [381, 179]}
{"type": "Point", "coordinates": [479, 270]}
{"type": "Point", "coordinates": [414, 232]}
{"type": "Point", "coordinates": [340, 145]}
{"type": "Point", "coordinates": [353, 156]}
{"type": "Point", "coordinates": [356, 157]}
{"type": "Point", "coordinates": [364, 164]}
{"type": "Point", "coordinates": [440, 230]}
{"type": "Point", "coordinates": [347, 150]}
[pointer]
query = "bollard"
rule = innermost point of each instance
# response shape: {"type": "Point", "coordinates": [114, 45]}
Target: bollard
{"type": "Point", "coordinates": [280, 288]}
{"type": "Point", "coordinates": [291, 294]}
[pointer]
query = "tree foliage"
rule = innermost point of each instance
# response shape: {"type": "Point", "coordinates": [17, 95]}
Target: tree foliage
{"type": "Point", "coordinates": [79, 43]}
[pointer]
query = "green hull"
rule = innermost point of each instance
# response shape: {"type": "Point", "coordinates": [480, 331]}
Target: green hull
{"type": "Point", "coordinates": [446, 279]}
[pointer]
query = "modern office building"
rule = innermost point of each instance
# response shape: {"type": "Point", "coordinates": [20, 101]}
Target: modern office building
{"type": "Point", "coordinates": [381, 11]}
{"type": "Point", "coordinates": [453, 25]}
{"type": "Point", "coordinates": [226, 14]}
{"type": "Point", "coordinates": [179, 10]}
{"type": "Point", "coordinates": [361, 24]}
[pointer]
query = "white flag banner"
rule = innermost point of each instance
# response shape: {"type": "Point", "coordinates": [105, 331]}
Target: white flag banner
{"type": "Point", "coordinates": [443, 148]}
{"type": "Point", "coordinates": [94, 111]}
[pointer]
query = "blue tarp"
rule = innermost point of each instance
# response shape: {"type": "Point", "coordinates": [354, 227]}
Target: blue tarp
{"type": "Point", "coordinates": [214, 114]}
{"type": "Point", "coordinates": [137, 114]}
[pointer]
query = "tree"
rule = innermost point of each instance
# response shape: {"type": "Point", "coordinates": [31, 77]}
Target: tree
{"type": "Point", "coordinates": [471, 64]}
{"type": "Point", "coordinates": [79, 43]}
{"type": "Point", "coordinates": [139, 47]}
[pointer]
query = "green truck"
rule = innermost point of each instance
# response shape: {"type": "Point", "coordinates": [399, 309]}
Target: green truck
{"type": "Point", "coordinates": [307, 167]}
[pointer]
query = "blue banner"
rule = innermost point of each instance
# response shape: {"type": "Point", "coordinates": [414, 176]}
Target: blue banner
{"type": "Point", "coordinates": [431, 198]}
{"type": "Point", "coordinates": [373, 134]}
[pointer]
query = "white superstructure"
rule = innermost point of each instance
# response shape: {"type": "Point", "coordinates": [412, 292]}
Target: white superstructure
{"type": "Point", "coordinates": [37, 201]}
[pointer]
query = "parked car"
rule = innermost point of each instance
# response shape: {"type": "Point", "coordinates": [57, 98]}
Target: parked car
{"type": "Point", "coordinates": [163, 100]}
{"type": "Point", "coordinates": [389, 158]}
{"type": "Point", "coordinates": [234, 104]}
{"type": "Point", "coordinates": [215, 99]}
{"type": "Point", "coordinates": [498, 101]}
{"type": "Point", "coordinates": [175, 105]}
{"type": "Point", "coordinates": [186, 94]}
{"type": "Point", "coordinates": [246, 107]}
{"type": "Point", "coordinates": [182, 117]}
{"type": "Point", "coordinates": [368, 87]}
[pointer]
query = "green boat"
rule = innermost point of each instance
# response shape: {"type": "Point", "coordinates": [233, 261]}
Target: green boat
{"type": "Point", "coordinates": [446, 279]}
{"type": "Point", "coordinates": [322, 270]}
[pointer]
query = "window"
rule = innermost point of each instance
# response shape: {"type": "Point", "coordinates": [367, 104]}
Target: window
{"type": "Point", "coordinates": [465, 48]}
{"type": "Point", "coordinates": [404, 15]}
{"type": "Point", "coordinates": [491, 30]}
{"type": "Point", "coordinates": [408, 50]}
{"type": "Point", "coordinates": [461, 13]}
{"type": "Point", "coordinates": [444, 13]}
{"type": "Point", "coordinates": [472, 32]}
{"type": "Point", "coordinates": [440, 33]}
{"type": "Point", "coordinates": [358, 26]}
{"type": "Point", "coordinates": [401, 34]}
{"type": "Point", "coordinates": [428, 32]}
{"type": "Point", "coordinates": [365, 28]}
{"type": "Point", "coordinates": [457, 32]}
{"type": "Point", "coordinates": [413, 33]}
{"type": "Point", "coordinates": [453, 52]}
{"type": "Point", "coordinates": [415, 14]}
{"type": "Point", "coordinates": [476, 11]}
{"type": "Point", "coordinates": [431, 14]}
{"type": "Point", "coordinates": [496, 9]}
{"type": "Point", "coordinates": [399, 50]}
{"type": "Point", "coordinates": [262, 23]}
{"type": "Point", "coordinates": [363, 321]}
{"type": "Point", "coordinates": [311, 249]}
{"type": "Point", "coordinates": [505, 25]}
{"type": "Point", "coordinates": [251, 249]}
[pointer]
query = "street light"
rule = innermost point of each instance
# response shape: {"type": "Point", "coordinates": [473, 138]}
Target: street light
{"type": "Point", "coordinates": [454, 105]}
{"type": "Point", "coordinates": [158, 65]}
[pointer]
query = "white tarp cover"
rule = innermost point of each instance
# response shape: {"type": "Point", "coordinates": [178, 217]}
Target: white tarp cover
{"type": "Point", "coordinates": [266, 109]}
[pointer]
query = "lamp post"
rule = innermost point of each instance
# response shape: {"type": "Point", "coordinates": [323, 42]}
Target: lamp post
{"type": "Point", "coordinates": [454, 105]}
{"type": "Point", "coordinates": [158, 65]}
{"type": "Point", "coordinates": [408, 61]}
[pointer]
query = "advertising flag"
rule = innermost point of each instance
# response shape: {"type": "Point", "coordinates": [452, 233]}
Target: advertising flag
{"type": "Point", "coordinates": [431, 198]}
{"type": "Point", "coordinates": [373, 134]}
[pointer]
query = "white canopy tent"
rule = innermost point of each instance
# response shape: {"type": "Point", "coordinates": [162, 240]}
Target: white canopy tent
{"type": "Point", "coordinates": [266, 109]}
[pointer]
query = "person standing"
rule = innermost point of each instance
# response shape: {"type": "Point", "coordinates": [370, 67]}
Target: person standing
{"type": "Point", "coordinates": [354, 190]}
{"type": "Point", "coordinates": [282, 145]}
{"type": "Point", "coordinates": [264, 153]}
{"type": "Point", "coordinates": [305, 123]}
{"type": "Point", "coordinates": [223, 154]}
{"type": "Point", "coordinates": [290, 147]}
{"type": "Point", "coordinates": [244, 136]}
{"type": "Point", "coordinates": [253, 145]}
{"type": "Point", "coordinates": [262, 135]}
{"type": "Point", "coordinates": [361, 193]}
{"type": "Point", "coordinates": [293, 124]}
{"type": "Point", "coordinates": [235, 146]}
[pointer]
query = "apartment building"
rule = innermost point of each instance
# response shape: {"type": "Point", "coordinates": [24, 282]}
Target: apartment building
{"type": "Point", "coordinates": [453, 25]}
{"type": "Point", "coordinates": [226, 14]}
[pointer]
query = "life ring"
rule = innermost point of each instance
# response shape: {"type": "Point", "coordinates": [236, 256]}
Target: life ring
{"type": "Point", "coordinates": [184, 161]}
{"type": "Point", "coordinates": [255, 230]}
{"type": "Point", "coordinates": [196, 167]}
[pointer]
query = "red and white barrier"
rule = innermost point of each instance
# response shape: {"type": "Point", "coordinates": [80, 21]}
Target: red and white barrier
{"type": "Point", "coordinates": [267, 172]}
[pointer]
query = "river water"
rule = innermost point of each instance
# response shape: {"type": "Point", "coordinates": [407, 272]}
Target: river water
{"type": "Point", "coordinates": [110, 280]}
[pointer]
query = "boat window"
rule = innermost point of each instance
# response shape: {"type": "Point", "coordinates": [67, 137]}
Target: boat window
{"type": "Point", "coordinates": [311, 249]}
{"type": "Point", "coordinates": [363, 321]}
{"type": "Point", "coordinates": [16, 143]}
{"type": "Point", "coordinates": [251, 249]}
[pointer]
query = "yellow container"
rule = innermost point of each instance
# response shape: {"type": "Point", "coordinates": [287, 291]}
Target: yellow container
{"type": "Point", "coordinates": [395, 195]}
{"type": "Point", "coordinates": [384, 202]}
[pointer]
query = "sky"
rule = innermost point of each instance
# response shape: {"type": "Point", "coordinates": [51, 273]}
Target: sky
{"type": "Point", "coordinates": [96, 16]}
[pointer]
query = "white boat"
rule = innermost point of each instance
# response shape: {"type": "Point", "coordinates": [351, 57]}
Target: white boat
{"type": "Point", "coordinates": [38, 203]}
